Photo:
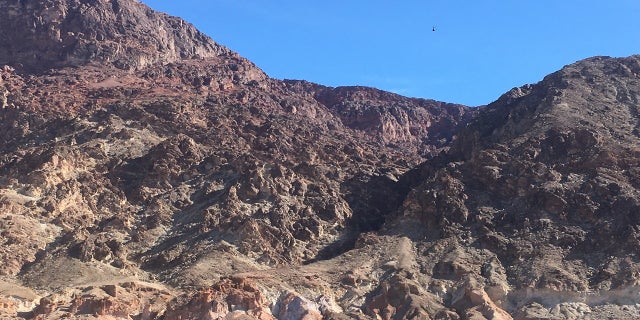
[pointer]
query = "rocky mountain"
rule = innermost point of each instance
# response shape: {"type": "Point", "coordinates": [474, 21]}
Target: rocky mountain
{"type": "Point", "coordinates": [533, 211]}
{"type": "Point", "coordinates": [139, 166]}
{"type": "Point", "coordinates": [147, 172]}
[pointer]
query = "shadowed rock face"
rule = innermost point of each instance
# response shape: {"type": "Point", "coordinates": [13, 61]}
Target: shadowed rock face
{"type": "Point", "coordinates": [147, 172]}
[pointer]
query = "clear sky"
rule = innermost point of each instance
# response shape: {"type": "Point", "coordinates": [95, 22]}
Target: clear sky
{"type": "Point", "coordinates": [480, 49]}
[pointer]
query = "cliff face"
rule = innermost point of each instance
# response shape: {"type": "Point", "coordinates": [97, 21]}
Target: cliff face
{"type": "Point", "coordinates": [148, 172]}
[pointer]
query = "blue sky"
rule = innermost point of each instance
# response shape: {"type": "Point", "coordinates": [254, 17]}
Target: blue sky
{"type": "Point", "coordinates": [480, 48]}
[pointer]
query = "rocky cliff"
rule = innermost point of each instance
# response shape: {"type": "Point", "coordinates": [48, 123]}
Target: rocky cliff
{"type": "Point", "coordinates": [147, 172]}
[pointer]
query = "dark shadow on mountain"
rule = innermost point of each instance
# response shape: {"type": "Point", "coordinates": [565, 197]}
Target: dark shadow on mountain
{"type": "Point", "coordinates": [372, 199]}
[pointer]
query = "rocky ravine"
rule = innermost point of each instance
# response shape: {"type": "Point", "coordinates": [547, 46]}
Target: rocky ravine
{"type": "Point", "coordinates": [153, 174]}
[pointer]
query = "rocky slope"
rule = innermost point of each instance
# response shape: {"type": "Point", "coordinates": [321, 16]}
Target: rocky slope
{"type": "Point", "coordinates": [534, 210]}
{"type": "Point", "coordinates": [142, 171]}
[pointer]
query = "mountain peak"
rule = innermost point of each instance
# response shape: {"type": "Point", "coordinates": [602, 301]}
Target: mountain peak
{"type": "Point", "coordinates": [124, 33]}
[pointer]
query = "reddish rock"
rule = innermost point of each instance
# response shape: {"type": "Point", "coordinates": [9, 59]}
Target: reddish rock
{"type": "Point", "coordinates": [231, 298]}
{"type": "Point", "coordinates": [8, 308]}
{"type": "Point", "coordinates": [292, 306]}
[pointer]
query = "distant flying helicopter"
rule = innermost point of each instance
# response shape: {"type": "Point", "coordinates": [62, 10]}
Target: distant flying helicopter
{"type": "Point", "coordinates": [433, 29]}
